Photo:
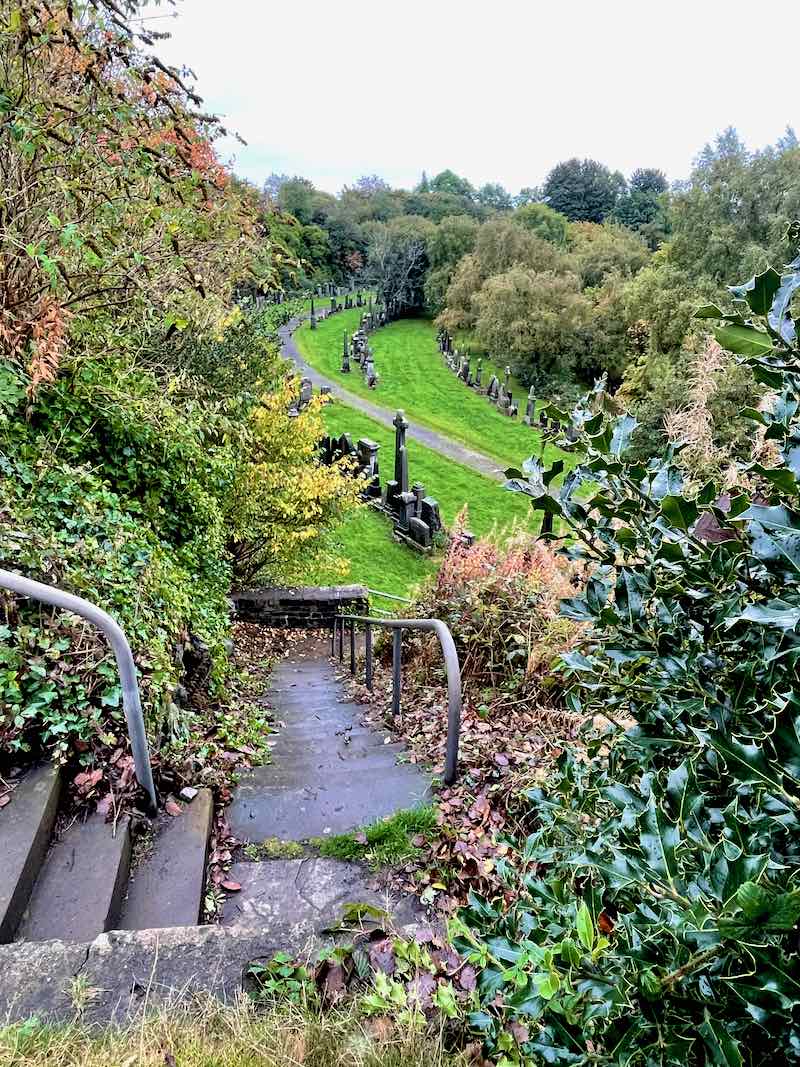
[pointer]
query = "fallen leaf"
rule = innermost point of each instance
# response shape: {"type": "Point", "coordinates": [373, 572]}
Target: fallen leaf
{"type": "Point", "coordinates": [605, 924]}
{"type": "Point", "coordinates": [360, 838]}
{"type": "Point", "coordinates": [519, 1032]}
{"type": "Point", "coordinates": [5, 799]}
{"type": "Point", "coordinates": [379, 1028]}
{"type": "Point", "coordinates": [232, 887]}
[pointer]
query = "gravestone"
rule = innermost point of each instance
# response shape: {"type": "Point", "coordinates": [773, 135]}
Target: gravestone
{"type": "Point", "coordinates": [530, 408]}
{"type": "Point", "coordinates": [345, 356]}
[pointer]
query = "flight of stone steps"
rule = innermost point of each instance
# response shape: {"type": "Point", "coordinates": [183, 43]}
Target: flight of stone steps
{"type": "Point", "coordinates": [74, 905]}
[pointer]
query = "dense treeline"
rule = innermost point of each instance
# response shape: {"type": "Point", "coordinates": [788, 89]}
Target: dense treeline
{"type": "Point", "coordinates": [588, 275]}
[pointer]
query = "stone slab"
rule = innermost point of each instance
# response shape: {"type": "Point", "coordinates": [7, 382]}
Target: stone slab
{"type": "Point", "coordinates": [25, 827]}
{"type": "Point", "coordinates": [167, 888]}
{"type": "Point", "coordinates": [80, 889]}
{"type": "Point", "coordinates": [327, 807]}
{"type": "Point", "coordinates": [305, 897]}
{"type": "Point", "coordinates": [126, 971]}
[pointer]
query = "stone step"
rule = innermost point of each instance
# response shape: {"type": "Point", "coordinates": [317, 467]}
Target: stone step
{"type": "Point", "coordinates": [25, 827]}
{"type": "Point", "coordinates": [303, 898]}
{"type": "Point", "coordinates": [338, 804]}
{"type": "Point", "coordinates": [166, 888]}
{"type": "Point", "coordinates": [322, 770]}
{"type": "Point", "coordinates": [294, 745]}
{"type": "Point", "coordinates": [80, 888]}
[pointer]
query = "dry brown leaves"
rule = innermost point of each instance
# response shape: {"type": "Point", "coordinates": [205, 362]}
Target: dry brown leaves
{"type": "Point", "coordinates": [502, 744]}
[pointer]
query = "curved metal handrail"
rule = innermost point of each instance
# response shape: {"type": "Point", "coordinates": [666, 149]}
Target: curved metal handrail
{"type": "Point", "coordinates": [451, 666]}
{"type": "Point", "coordinates": [131, 703]}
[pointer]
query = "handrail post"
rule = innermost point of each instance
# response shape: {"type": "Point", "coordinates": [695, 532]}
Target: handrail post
{"type": "Point", "coordinates": [397, 637]}
{"type": "Point", "coordinates": [333, 636]}
{"type": "Point", "coordinates": [131, 701]}
{"type": "Point", "coordinates": [368, 654]}
{"type": "Point", "coordinates": [341, 639]}
{"type": "Point", "coordinates": [352, 646]}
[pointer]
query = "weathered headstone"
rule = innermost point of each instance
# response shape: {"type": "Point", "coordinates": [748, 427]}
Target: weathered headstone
{"type": "Point", "coordinates": [530, 408]}
{"type": "Point", "coordinates": [345, 356]}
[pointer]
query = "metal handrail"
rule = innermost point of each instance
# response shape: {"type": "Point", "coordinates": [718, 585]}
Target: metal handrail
{"type": "Point", "coordinates": [131, 703]}
{"type": "Point", "coordinates": [451, 666]}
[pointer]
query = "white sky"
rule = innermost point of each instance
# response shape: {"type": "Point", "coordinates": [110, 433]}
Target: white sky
{"type": "Point", "coordinates": [497, 90]}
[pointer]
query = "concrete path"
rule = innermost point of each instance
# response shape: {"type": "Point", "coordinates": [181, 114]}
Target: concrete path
{"type": "Point", "coordinates": [438, 442]}
{"type": "Point", "coordinates": [329, 774]}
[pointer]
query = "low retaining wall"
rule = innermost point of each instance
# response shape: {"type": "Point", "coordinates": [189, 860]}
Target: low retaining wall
{"type": "Point", "coordinates": [306, 607]}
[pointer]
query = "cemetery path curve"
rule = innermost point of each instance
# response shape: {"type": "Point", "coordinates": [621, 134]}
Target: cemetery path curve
{"type": "Point", "coordinates": [438, 442]}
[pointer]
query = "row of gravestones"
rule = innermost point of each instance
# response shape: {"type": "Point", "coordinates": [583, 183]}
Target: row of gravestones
{"type": "Point", "coordinates": [357, 348]}
{"type": "Point", "coordinates": [351, 300]}
{"type": "Point", "coordinates": [498, 393]}
{"type": "Point", "coordinates": [415, 515]}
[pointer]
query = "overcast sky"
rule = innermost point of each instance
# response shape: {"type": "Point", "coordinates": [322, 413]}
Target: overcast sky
{"type": "Point", "coordinates": [497, 90]}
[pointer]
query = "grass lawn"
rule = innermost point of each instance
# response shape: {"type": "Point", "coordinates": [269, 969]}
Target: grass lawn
{"type": "Point", "coordinates": [413, 376]}
{"type": "Point", "coordinates": [378, 561]}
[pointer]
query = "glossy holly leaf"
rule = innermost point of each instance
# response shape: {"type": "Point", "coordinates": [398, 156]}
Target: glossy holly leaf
{"type": "Point", "coordinates": [776, 613]}
{"type": "Point", "coordinates": [621, 437]}
{"type": "Point", "coordinates": [744, 340]}
{"type": "Point", "coordinates": [679, 511]}
{"type": "Point", "coordinates": [779, 318]}
{"type": "Point", "coordinates": [759, 292]}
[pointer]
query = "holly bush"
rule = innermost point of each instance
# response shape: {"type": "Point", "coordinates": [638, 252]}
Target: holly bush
{"type": "Point", "coordinates": [654, 907]}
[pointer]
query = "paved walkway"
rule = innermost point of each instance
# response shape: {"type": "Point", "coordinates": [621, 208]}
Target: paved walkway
{"type": "Point", "coordinates": [329, 775]}
{"type": "Point", "coordinates": [438, 442]}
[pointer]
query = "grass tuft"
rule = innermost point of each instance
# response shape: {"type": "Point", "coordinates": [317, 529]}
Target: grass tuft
{"type": "Point", "coordinates": [384, 843]}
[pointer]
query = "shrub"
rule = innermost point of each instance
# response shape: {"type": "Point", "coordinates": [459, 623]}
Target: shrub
{"type": "Point", "coordinates": [656, 909]}
{"type": "Point", "coordinates": [501, 605]}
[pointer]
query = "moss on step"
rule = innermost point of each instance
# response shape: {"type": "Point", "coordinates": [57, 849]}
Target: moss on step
{"type": "Point", "coordinates": [272, 848]}
{"type": "Point", "coordinates": [383, 843]}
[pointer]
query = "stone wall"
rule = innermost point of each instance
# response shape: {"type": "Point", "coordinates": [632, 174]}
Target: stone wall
{"type": "Point", "coordinates": [304, 607]}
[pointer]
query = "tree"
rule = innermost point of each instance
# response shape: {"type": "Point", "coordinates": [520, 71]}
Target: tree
{"type": "Point", "coordinates": [535, 322]}
{"type": "Point", "coordinates": [688, 775]}
{"type": "Point", "coordinates": [448, 182]}
{"type": "Point", "coordinates": [272, 185]}
{"type": "Point", "coordinates": [501, 244]}
{"type": "Point", "coordinates": [397, 260]}
{"type": "Point", "coordinates": [494, 197]}
{"type": "Point", "coordinates": [528, 195]}
{"type": "Point", "coordinates": [114, 204]}
{"type": "Point", "coordinates": [648, 180]}
{"type": "Point", "coordinates": [732, 215]}
{"type": "Point", "coordinates": [546, 223]}
{"type": "Point", "coordinates": [583, 190]}
{"type": "Point", "coordinates": [451, 240]}
{"type": "Point", "coordinates": [369, 184]}
{"type": "Point", "coordinates": [296, 196]}
{"type": "Point", "coordinates": [601, 250]}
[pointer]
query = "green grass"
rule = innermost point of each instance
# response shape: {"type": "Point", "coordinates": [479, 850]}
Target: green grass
{"type": "Point", "coordinates": [413, 376]}
{"type": "Point", "coordinates": [196, 1031]}
{"type": "Point", "coordinates": [376, 559]}
{"type": "Point", "coordinates": [384, 843]}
